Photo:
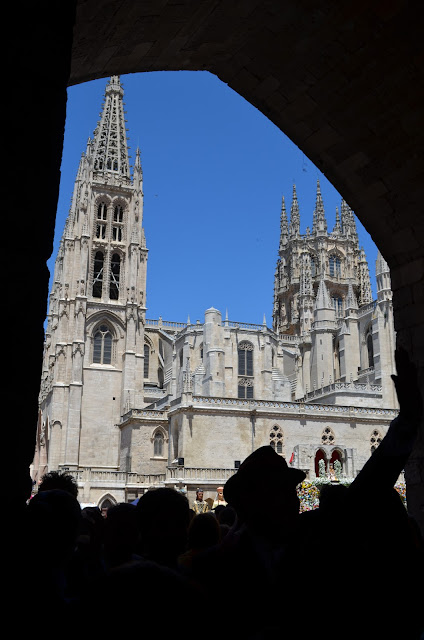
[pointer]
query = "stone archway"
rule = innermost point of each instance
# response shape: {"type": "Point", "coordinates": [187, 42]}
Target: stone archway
{"type": "Point", "coordinates": [343, 81]}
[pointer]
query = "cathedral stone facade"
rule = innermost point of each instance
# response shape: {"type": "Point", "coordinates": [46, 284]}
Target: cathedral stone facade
{"type": "Point", "coordinates": [128, 403]}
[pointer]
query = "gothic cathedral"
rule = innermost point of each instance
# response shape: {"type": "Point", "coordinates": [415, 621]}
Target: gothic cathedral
{"type": "Point", "coordinates": [129, 403]}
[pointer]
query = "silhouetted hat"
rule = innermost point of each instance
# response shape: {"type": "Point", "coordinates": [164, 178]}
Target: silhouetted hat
{"type": "Point", "coordinates": [263, 467]}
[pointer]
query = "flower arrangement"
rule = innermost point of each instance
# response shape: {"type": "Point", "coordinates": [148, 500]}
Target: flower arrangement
{"type": "Point", "coordinates": [309, 490]}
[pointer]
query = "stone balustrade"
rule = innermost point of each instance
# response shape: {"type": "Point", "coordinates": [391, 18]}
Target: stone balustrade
{"type": "Point", "coordinates": [350, 387]}
{"type": "Point", "coordinates": [111, 478]}
{"type": "Point", "coordinates": [300, 407]}
{"type": "Point", "coordinates": [367, 308]}
{"type": "Point", "coordinates": [199, 475]}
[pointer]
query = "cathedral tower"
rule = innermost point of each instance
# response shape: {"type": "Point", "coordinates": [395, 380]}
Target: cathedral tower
{"type": "Point", "coordinates": [93, 361]}
{"type": "Point", "coordinates": [321, 278]}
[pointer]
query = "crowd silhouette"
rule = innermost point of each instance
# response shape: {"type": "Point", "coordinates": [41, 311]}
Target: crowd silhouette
{"type": "Point", "coordinates": [255, 568]}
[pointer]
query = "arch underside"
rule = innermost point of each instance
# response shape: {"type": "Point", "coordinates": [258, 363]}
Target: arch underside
{"type": "Point", "coordinates": [343, 82]}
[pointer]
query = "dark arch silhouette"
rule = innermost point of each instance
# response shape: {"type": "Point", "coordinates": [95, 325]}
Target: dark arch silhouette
{"type": "Point", "coordinates": [343, 81]}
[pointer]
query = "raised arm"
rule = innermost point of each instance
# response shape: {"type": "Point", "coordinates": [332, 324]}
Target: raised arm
{"type": "Point", "coordinates": [386, 463]}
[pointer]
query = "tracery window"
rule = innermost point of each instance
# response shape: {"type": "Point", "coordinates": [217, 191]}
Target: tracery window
{"type": "Point", "coordinates": [327, 436]}
{"type": "Point", "coordinates": [245, 370]}
{"type": "Point", "coordinates": [98, 274]}
{"type": "Point", "coordinates": [102, 345]}
{"type": "Point", "coordinates": [158, 442]}
{"type": "Point", "coordinates": [115, 272]}
{"type": "Point", "coordinates": [276, 439]}
{"type": "Point", "coordinates": [313, 267]}
{"type": "Point", "coordinates": [375, 440]}
{"type": "Point", "coordinates": [335, 266]}
{"type": "Point", "coordinates": [245, 388]}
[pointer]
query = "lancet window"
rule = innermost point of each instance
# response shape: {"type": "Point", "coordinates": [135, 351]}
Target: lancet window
{"type": "Point", "coordinates": [102, 345]}
{"type": "Point", "coordinates": [276, 439]}
{"type": "Point", "coordinates": [370, 347]}
{"type": "Point", "coordinates": [117, 226]}
{"type": "Point", "coordinates": [335, 266]}
{"type": "Point", "coordinates": [115, 273]}
{"type": "Point", "coordinates": [101, 225]}
{"type": "Point", "coordinates": [245, 370]}
{"type": "Point", "coordinates": [338, 305]}
{"type": "Point", "coordinates": [158, 444]}
{"type": "Point", "coordinates": [146, 361]}
{"type": "Point", "coordinates": [99, 259]}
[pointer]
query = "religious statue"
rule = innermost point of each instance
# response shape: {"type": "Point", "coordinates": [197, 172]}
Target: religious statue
{"type": "Point", "coordinates": [200, 505]}
{"type": "Point", "coordinates": [219, 500]}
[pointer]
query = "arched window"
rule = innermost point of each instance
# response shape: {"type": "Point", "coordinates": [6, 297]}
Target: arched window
{"type": "Point", "coordinates": [245, 359]}
{"type": "Point", "coordinates": [370, 348]}
{"type": "Point", "coordinates": [313, 267]}
{"type": "Point", "coordinates": [375, 440]}
{"type": "Point", "coordinates": [105, 506]}
{"type": "Point", "coordinates": [336, 460]}
{"type": "Point", "coordinates": [102, 211]}
{"type": "Point", "coordinates": [118, 213]}
{"type": "Point", "coordinates": [276, 439]}
{"type": "Point", "coordinates": [102, 345]}
{"type": "Point", "coordinates": [338, 305]}
{"type": "Point", "coordinates": [146, 361]}
{"type": "Point", "coordinates": [117, 227]}
{"type": "Point", "coordinates": [98, 274]}
{"type": "Point", "coordinates": [320, 463]}
{"type": "Point", "coordinates": [335, 266]}
{"type": "Point", "coordinates": [101, 221]}
{"type": "Point", "coordinates": [245, 370]}
{"type": "Point", "coordinates": [158, 442]}
{"type": "Point", "coordinates": [115, 272]}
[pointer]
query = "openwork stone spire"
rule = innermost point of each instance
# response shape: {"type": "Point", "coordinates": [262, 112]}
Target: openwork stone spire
{"type": "Point", "coordinates": [284, 227]}
{"type": "Point", "coordinates": [305, 284]}
{"type": "Point", "coordinates": [110, 139]}
{"type": "Point", "coordinates": [364, 280]}
{"type": "Point", "coordinates": [381, 265]}
{"type": "Point", "coordinates": [348, 222]}
{"type": "Point", "coordinates": [337, 227]}
{"type": "Point", "coordinates": [294, 215]}
{"type": "Point", "coordinates": [319, 221]}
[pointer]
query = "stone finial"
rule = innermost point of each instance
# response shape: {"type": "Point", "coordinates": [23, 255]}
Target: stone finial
{"type": "Point", "coordinates": [319, 221]}
{"type": "Point", "coordinates": [294, 215]}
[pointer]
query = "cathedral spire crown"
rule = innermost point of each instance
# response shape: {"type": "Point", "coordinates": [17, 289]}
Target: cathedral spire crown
{"type": "Point", "coordinates": [110, 152]}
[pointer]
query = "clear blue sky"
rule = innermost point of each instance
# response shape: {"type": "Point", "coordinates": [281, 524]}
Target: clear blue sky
{"type": "Point", "coordinates": [215, 170]}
